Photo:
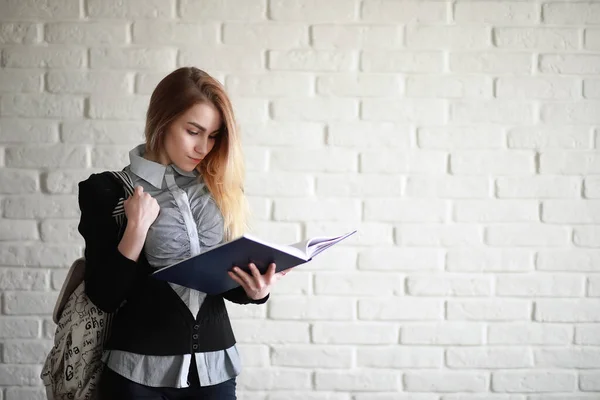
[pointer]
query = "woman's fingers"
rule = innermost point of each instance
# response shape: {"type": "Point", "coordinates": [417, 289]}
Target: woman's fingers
{"type": "Point", "coordinates": [247, 279]}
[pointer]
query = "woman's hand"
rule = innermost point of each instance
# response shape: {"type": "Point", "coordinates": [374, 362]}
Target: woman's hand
{"type": "Point", "coordinates": [141, 209]}
{"type": "Point", "coordinates": [255, 285]}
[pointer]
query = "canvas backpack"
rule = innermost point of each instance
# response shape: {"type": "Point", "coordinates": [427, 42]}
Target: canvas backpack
{"type": "Point", "coordinates": [74, 364]}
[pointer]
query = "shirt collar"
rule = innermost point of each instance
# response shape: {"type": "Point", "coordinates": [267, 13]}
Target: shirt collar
{"type": "Point", "coordinates": [151, 171]}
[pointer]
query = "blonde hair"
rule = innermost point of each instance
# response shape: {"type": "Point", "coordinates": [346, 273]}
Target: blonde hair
{"type": "Point", "coordinates": [223, 168]}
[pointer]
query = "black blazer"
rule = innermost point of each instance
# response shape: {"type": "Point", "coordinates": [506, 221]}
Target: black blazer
{"type": "Point", "coordinates": [152, 320]}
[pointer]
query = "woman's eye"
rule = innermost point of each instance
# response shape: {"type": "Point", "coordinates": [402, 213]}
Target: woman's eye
{"type": "Point", "coordinates": [192, 132]}
{"type": "Point", "coordinates": [212, 137]}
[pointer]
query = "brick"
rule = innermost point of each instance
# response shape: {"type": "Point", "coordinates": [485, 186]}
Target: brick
{"type": "Point", "coordinates": [368, 234]}
{"type": "Point", "coordinates": [486, 396]}
{"type": "Point", "coordinates": [483, 357]}
{"type": "Point", "coordinates": [23, 393]}
{"type": "Point", "coordinates": [401, 61]}
{"type": "Point", "coordinates": [112, 107]}
{"type": "Point", "coordinates": [270, 85]}
{"type": "Point", "coordinates": [579, 357]}
{"type": "Point", "coordinates": [29, 303]}
{"type": "Point", "coordinates": [312, 356]}
{"type": "Point", "coordinates": [20, 81]}
{"type": "Point", "coordinates": [145, 82]}
{"type": "Point", "coordinates": [317, 110]}
{"type": "Point", "coordinates": [25, 352]}
{"type": "Point", "coordinates": [492, 111]}
{"type": "Point", "coordinates": [549, 138]}
{"type": "Point", "coordinates": [41, 106]}
{"type": "Point", "coordinates": [20, 375]}
{"type": "Point", "coordinates": [504, 13]}
{"type": "Point", "coordinates": [565, 260]}
{"type": "Point", "coordinates": [281, 133]}
{"type": "Point", "coordinates": [403, 12]}
{"type": "Point", "coordinates": [488, 310]}
{"type": "Point", "coordinates": [563, 396]}
{"type": "Point", "coordinates": [565, 13]}
{"type": "Point", "coordinates": [585, 113]}
{"type": "Point", "coordinates": [438, 235]}
{"type": "Point", "coordinates": [538, 187]}
{"type": "Point", "coordinates": [537, 88]}
{"type": "Point", "coordinates": [449, 87]}
{"type": "Point", "coordinates": [465, 137]}
{"type": "Point", "coordinates": [107, 82]}
{"type": "Point", "coordinates": [571, 211]}
{"type": "Point", "coordinates": [18, 230]}
{"type": "Point", "coordinates": [400, 309]}
{"type": "Point", "coordinates": [540, 285]}
{"type": "Point", "coordinates": [363, 185]}
{"type": "Point", "coordinates": [103, 132]}
{"type": "Point", "coordinates": [417, 111]}
{"type": "Point", "coordinates": [272, 36]}
{"type": "Point", "coordinates": [28, 130]}
{"type": "Point", "coordinates": [39, 255]}
{"type": "Point", "coordinates": [19, 33]}
{"type": "Point", "coordinates": [64, 181]}
{"type": "Point", "coordinates": [356, 36]}
{"type": "Point", "coordinates": [446, 333]}
{"type": "Point", "coordinates": [591, 88]}
{"type": "Point", "coordinates": [489, 260]}
{"type": "Point", "coordinates": [586, 236]}
{"type": "Point", "coordinates": [235, 311]}
{"type": "Point", "coordinates": [496, 211]}
{"type": "Point", "coordinates": [271, 332]}
{"type": "Point", "coordinates": [313, 10]}
{"type": "Point", "coordinates": [530, 334]}
{"type": "Point", "coordinates": [592, 39]}
{"type": "Point", "coordinates": [381, 135]}
{"type": "Point", "coordinates": [312, 210]}
{"type": "Point", "coordinates": [593, 287]}
{"type": "Point", "coordinates": [45, 10]}
{"type": "Point", "coordinates": [60, 231]}
{"type": "Point", "coordinates": [14, 181]}
{"type": "Point", "coordinates": [354, 333]}
{"type": "Point", "coordinates": [132, 9]}
{"type": "Point", "coordinates": [533, 381]}
{"type": "Point", "coordinates": [400, 259]}
{"type": "Point", "coordinates": [357, 284]}
{"type": "Point", "coordinates": [252, 111]}
{"type": "Point", "coordinates": [536, 38]}
{"type": "Point", "coordinates": [23, 279]}
{"type": "Point", "coordinates": [19, 327]}
{"type": "Point", "coordinates": [88, 33]}
{"type": "Point", "coordinates": [447, 187]}
{"type": "Point", "coordinates": [572, 162]}
{"type": "Point", "coordinates": [169, 33]}
{"type": "Point", "coordinates": [492, 162]}
{"type": "Point", "coordinates": [588, 381]}
{"type": "Point", "coordinates": [364, 380]}
{"type": "Point", "coordinates": [53, 156]}
{"type": "Point", "coordinates": [434, 381]}
{"type": "Point", "coordinates": [490, 63]}
{"type": "Point", "coordinates": [109, 157]}
{"type": "Point", "coordinates": [397, 210]}
{"type": "Point", "coordinates": [281, 395]}
{"type": "Point", "coordinates": [57, 278]}
{"type": "Point", "coordinates": [326, 160]}
{"type": "Point", "coordinates": [567, 310]}
{"type": "Point", "coordinates": [316, 308]}
{"type": "Point", "coordinates": [448, 37]}
{"type": "Point", "coordinates": [43, 57]}
{"type": "Point", "coordinates": [254, 355]}
{"type": "Point", "coordinates": [399, 357]}
{"type": "Point", "coordinates": [587, 334]}
{"type": "Point", "coordinates": [449, 285]}
{"type": "Point", "coordinates": [30, 207]}
{"type": "Point", "coordinates": [569, 64]}
{"type": "Point", "coordinates": [363, 85]}
{"type": "Point", "coordinates": [527, 235]}
{"type": "Point", "coordinates": [312, 60]}
{"type": "Point", "coordinates": [132, 58]}
{"type": "Point", "coordinates": [281, 184]}
{"type": "Point", "coordinates": [275, 379]}
{"type": "Point", "coordinates": [253, 10]}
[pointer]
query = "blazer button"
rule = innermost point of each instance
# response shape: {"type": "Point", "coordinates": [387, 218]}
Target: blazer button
{"type": "Point", "coordinates": [195, 346]}
{"type": "Point", "coordinates": [195, 336]}
{"type": "Point", "coordinates": [196, 327]}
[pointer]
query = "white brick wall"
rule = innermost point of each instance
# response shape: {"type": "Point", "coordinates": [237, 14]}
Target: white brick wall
{"type": "Point", "coordinates": [461, 137]}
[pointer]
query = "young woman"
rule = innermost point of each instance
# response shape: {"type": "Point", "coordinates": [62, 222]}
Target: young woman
{"type": "Point", "coordinates": [168, 341]}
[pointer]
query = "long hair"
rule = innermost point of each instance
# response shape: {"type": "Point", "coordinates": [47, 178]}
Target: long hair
{"type": "Point", "coordinates": [222, 169]}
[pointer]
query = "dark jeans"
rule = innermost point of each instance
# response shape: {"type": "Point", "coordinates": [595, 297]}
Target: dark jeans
{"type": "Point", "coordinates": [113, 386]}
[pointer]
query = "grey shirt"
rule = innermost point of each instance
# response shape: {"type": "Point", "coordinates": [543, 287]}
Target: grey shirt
{"type": "Point", "coordinates": [189, 223]}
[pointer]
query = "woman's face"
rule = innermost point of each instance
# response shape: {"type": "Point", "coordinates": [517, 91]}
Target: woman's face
{"type": "Point", "coordinates": [191, 136]}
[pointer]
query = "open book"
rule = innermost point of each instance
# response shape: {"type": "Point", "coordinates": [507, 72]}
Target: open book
{"type": "Point", "coordinates": [207, 272]}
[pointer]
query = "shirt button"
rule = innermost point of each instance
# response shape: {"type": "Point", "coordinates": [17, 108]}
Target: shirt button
{"type": "Point", "coordinates": [195, 336]}
{"type": "Point", "coordinates": [196, 327]}
{"type": "Point", "coordinates": [195, 346]}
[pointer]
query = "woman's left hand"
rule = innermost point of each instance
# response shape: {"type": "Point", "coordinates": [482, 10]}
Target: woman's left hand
{"type": "Point", "coordinates": [257, 286]}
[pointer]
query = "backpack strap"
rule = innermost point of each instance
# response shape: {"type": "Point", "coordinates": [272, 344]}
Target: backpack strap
{"type": "Point", "coordinates": [119, 211]}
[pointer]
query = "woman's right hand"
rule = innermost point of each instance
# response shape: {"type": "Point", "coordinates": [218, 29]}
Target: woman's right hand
{"type": "Point", "coordinates": [141, 208]}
